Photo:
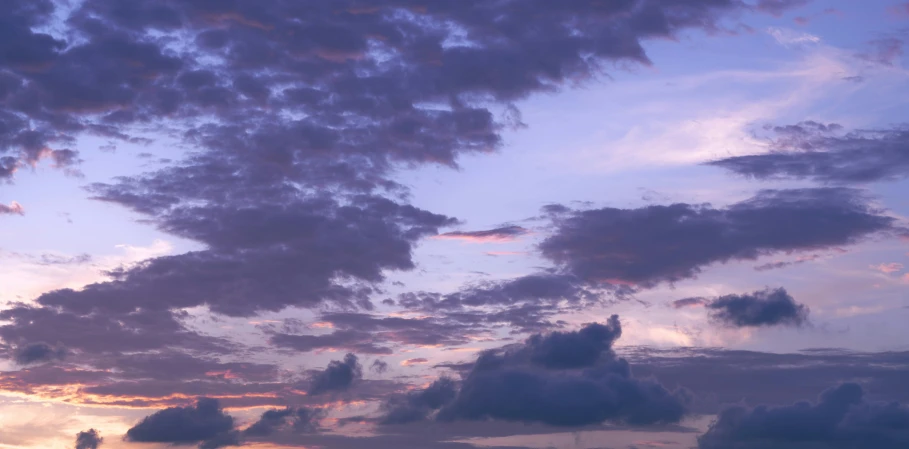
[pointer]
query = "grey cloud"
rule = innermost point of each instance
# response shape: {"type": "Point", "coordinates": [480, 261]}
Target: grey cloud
{"type": "Point", "coordinates": [337, 376]}
{"type": "Point", "coordinates": [37, 353]}
{"type": "Point", "coordinates": [379, 366]}
{"type": "Point", "coordinates": [89, 439]}
{"type": "Point", "coordinates": [498, 234]}
{"type": "Point", "coordinates": [689, 302]}
{"type": "Point", "coordinates": [811, 150]}
{"type": "Point", "coordinates": [418, 405]}
{"type": "Point", "coordinates": [654, 244]}
{"type": "Point", "coordinates": [302, 419]}
{"type": "Point", "coordinates": [560, 379]}
{"type": "Point", "coordinates": [769, 307]}
{"type": "Point", "coordinates": [841, 418]}
{"type": "Point", "coordinates": [718, 377]}
{"type": "Point", "coordinates": [205, 423]}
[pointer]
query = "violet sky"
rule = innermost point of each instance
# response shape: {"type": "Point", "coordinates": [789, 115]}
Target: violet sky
{"type": "Point", "coordinates": [454, 224]}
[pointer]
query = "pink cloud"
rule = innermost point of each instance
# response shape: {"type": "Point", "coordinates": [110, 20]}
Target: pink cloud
{"type": "Point", "coordinates": [888, 268]}
{"type": "Point", "coordinates": [13, 208]}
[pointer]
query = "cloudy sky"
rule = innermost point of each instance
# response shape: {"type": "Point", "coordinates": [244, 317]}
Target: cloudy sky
{"type": "Point", "coordinates": [454, 224]}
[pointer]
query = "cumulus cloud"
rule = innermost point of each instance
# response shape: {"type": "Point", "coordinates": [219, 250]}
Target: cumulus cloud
{"type": "Point", "coordinates": [420, 404]}
{"type": "Point", "coordinates": [769, 307]}
{"type": "Point", "coordinates": [204, 423]}
{"type": "Point", "coordinates": [337, 376]}
{"type": "Point", "coordinates": [653, 244]}
{"type": "Point", "coordinates": [89, 439]}
{"type": "Point", "coordinates": [821, 152]}
{"type": "Point", "coordinates": [539, 380]}
{"type": "Point", "coordinates": [841, 418]}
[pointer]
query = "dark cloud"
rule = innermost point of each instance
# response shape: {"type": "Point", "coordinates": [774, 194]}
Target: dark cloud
{"type": "Point", "coordinates": [560, 379]}
{"type": "Point", "coordinates": [841, 418]}
{"type": "Point", "coordinates": [379, 367]}
{"type": "Point", "coordinates": [811, 150]}
{"type": "Point", "coordinates": [302, 419]}
{"type": "Point", "coordinates": [653, 244]}
{"type": "Point", "coordinates": [281, 255]}
{"type": "Point", "coordinates": [296, 117]}
{"type": "Point", "coordinates": [37, 353]}
{"type": "Point", "coordinates": [205, 423]}
{"type": "Point", "coordinates": [503, 234]}
{"type": "Point", "coordinates": [89, 439]}
{"type": "Point", "coordinates": [769, 307]}
{"type": "Point", "coordinates": [689, 302]}
{"type": "Point", "coordinates": [718, 377]}
{"type": "Point", "coordinates": [418, 405]}
{"type": "Point", "coordinates": [337, 376]}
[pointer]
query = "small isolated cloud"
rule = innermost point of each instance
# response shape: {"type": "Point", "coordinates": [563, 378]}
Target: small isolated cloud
{"type": "Point", "coordinates": [888, 268]}
{"type": "Point", "coordinates": [788, 38]}
{"type": "Point", "coordinates": [11, 209]}
{"type": "Point", "coordinates": [689, 302]}
{"type": "Point", "coordinates": [497, 235]}
{"type": "Point", "coordinates": [379, 367]}
{"type": "Point", "coordinates": [763, 308]}
{"type": "Point", "coordinates": [338, 376]}
{"type": "Point", "coordinates": [414, 362]}
{"type": "Point", "coordinates": [505, 253]}
{"type": "Point", "coordinates": [89, 439]}
{"type": "Point", "coordinates": [205, 423]}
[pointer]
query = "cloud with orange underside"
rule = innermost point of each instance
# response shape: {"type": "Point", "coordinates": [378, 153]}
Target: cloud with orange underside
{"type": "Point", "coordinates": [503, 234]}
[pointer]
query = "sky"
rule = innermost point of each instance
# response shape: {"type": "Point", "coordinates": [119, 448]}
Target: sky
{"type": "Point", "coordinates": [583, 224]}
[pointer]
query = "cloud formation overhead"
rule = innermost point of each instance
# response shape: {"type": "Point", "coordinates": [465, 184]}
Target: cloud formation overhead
{"type": "Point", "coordinates": [379, 224]}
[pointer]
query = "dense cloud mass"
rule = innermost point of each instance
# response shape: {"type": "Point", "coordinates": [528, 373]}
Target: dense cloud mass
{"type": "Point", "coordinates": [295, 119]}
{"type": "Point", "coordinates": [770, 307]}
{"type": "Point", "coordinates": [841, 419]}
{"type": "Point", "coordinates": [811, 150]}
{"type": "Point", "coordinates": [89, 439]}
{"type": "Point", "coordinates": [420, 404]}
{"type": "Point", "coordinates": [204, 423]}
{"type": "Point", "coordinates": [337, 376]}
{"type": "Point", "coordinates": [670, 243]}
{"type": "Point", "coordinates": [561, 379]}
